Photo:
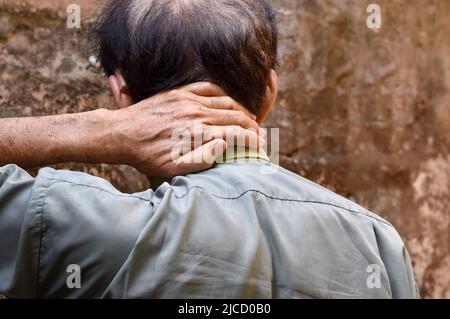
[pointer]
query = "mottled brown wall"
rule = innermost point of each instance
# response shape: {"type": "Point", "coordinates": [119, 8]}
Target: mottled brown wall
{"type": "Point", "coordinates": [364, 113]}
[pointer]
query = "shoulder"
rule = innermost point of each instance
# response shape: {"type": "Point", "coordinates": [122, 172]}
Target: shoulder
{"type": "Point", "coordinates": [62, 180]}
{"type": "Point", "coordinates": [12, 171]}
{"type": "Point", "coordinates": [81, 219]}
{"type": "Point", "coordinates": [276, 184]}
{"type": "Point", "coordinates": [73, 178]}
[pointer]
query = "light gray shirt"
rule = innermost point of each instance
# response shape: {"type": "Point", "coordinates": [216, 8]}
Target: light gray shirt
{"type": "Point", "coordinates": [243, 229]}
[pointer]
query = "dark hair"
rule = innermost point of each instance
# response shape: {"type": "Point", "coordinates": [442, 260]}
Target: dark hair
{"type": "Point", "coordinates": [159, 45]}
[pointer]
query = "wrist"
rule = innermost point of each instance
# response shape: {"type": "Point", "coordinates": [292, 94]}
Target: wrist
{"type": "Point", "coordinates": [103, 144]}
{"type": "Point", "coordinates": [122, 147]}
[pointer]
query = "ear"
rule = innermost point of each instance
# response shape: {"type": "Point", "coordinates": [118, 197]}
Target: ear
{"type": "Point", "coordinates": [271, 96]}
{"type": "Point", "coordinates": [120, 90]}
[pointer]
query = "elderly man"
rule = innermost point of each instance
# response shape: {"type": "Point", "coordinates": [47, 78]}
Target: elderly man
{"type": "Point", "coordinates": [244, 228]}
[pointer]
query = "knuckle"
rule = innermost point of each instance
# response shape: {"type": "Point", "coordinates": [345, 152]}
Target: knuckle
{"type": "Point", "coordinates": [214, 101]}
{"type": "Point", "coordinates": [228, 101]}
{"type": "Point", "coordinates": [241, 119]}
{"type": "Point", "coordinates": [202, 110]}
{"type": "Point", "coordinates": [173, 94]}
{"type": "Point", "coordinates": [179, 95]}
{"type": "Point", "coordinates": [196, 112]}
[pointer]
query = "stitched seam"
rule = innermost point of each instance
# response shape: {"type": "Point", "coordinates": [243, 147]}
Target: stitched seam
{"type": "Point", "coordinates": [99, 188]}
{"type": "Point", "coordinates": [281, 199]}
{"type": "Point", "coordinates": [41, 236]}
{"type": "Point", "coordinates": [230, 198]}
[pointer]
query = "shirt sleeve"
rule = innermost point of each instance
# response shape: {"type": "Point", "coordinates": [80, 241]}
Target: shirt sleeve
{"type": "Point", "coordinates": [65, 234]}
{"type": "Point", "coordinates": [397, 262]}
{"type": "Point", "coordinates": [16, 269]}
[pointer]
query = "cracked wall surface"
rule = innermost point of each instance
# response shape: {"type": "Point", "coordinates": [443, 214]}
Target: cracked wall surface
{"type": "Point", "coordinates": [365, 113]}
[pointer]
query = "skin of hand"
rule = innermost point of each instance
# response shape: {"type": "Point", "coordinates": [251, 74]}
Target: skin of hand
{"type": "Point", "coordinates": [139, 136]}
{"type": "Point", "coordinates": [150, 146]}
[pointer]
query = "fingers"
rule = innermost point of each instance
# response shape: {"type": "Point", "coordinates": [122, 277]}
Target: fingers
{"type": "Point", "coordinates": [212, 96]}
{"type": "Point", "coordinates": [230, 117]}
{"type": "Point", "coordinates": [224, 103]}
{"type": "Point", "coordinates": [234, 136]}
{"type": "Point", "coordinates": [201, 158]}
{"type": "Point", "coordinates": [204, 89]}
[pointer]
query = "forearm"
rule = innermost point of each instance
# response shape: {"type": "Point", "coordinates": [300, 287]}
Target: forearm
{"type": "Point", "coordinates": [40, 141]}
{"type": "Point", "coordinates": [140, 135]}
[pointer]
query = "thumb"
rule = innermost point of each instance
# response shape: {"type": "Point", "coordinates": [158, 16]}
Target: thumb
{"type": "Point", "coordinates": [201, 158]}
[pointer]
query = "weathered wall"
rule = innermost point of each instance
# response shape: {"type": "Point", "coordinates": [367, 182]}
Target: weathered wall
{"type": "Point", "coordinates": [364, 113]}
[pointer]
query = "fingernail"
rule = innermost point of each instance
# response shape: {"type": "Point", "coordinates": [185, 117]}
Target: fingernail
{"type": "Point", "coordinates": [254, 117]}
{"type": "Point", "coordinates": [219, 151]}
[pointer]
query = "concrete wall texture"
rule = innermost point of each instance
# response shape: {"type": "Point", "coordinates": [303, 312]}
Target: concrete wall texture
{"type": "Point", "coordinates": [365, 113]}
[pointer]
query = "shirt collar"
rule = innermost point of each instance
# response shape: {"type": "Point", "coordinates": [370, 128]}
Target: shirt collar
{"type": "Point", "coordinates": [235, 154]}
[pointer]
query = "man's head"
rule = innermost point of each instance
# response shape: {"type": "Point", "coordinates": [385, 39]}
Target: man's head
{"type": "Point", "coordinates": [150, 46]}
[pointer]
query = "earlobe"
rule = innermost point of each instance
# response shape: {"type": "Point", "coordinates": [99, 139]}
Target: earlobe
{"type": "Point", "coordinates": [120, 90]}
{"type": "Point", "coordinates": [115, 87]}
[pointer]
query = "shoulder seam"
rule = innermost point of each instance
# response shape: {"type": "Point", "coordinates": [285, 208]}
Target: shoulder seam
{"type": "Point", "coordinates": [228, 198]}
{"type": "Point", "coordinates": [98, 188]}
{"type": "Point", "coordinates": [282, 199]}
